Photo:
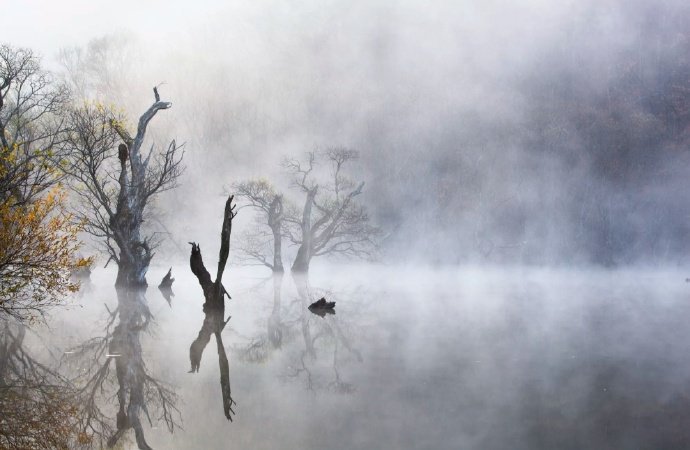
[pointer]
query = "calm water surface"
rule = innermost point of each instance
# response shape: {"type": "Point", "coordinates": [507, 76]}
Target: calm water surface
{"type": "Point", "coordinates": [454, 358]}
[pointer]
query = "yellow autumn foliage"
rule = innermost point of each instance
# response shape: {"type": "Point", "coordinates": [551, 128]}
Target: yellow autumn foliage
{"type": "Point", "coordinates": [40, 418]}
{"type": "Point", "coordinates": [38, 243]}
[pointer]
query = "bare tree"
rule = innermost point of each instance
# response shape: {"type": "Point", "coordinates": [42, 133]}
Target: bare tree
{"type": "Point", "coordinates": [214, 308]}
{"type": "Point", "coordinates": [31, 125]}
{"type": "Point", "coordinates": [115, 196]}
{"type": "Point", "coordinates": [331, 221]}
{"type": "Point", "coordinates": [262, 196]}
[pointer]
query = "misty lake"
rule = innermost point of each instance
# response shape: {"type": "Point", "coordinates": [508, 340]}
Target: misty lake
{"type": "Point", "coordinates": [476, 358]}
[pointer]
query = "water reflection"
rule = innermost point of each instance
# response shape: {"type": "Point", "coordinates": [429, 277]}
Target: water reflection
{"type": "Point", "coordinates": [140, 394]}
{"type": "Point", "coordinates": [314, 346]}
{"type": "Point", "coordinates": [167, 293]}
{"type": "Point", "coordinates": [275, 334]}
{"type": "Point", "coordinates": [432, 360]}
{"type": "Point", "coordinates": [329, 333]}
{"type": "Point", "coordinates": [36, 401]}
{"type": "Point", "coordinates": [275, 325]}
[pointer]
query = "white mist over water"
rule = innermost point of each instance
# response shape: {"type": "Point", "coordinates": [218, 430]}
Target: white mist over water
{"type": "Point", "coordinates": [458, 357]}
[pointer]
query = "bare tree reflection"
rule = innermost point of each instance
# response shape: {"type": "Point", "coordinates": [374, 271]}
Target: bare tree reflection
{"type": "Point", "coordinates": [214, 309]}
{"type": "Point", "coordinates": [37, 406]}
{"type": "Point", "coordinates": [326, 344]}
{"type": "Point", "coordinates": [277, 332]}
{"type": "Point", "coordinates": [320, 328]}
{"type": "Point", "coordinates": [167, 294]}
{"type": "Point", "coordinates": [137, 391]}
{"type": "Point", "coordinates": [274, 324]}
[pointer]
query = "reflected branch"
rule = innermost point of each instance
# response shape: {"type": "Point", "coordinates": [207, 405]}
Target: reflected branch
{"type": "Point", "coordinates": [37, 404]}
{"type": "Point", "coordinates": [135, 388]}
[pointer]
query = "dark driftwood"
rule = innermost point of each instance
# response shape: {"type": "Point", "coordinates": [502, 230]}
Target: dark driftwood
{"type": "Point", "coordinates": [214, 308]}
{"type": "Point", "coordinates": [321, 307]}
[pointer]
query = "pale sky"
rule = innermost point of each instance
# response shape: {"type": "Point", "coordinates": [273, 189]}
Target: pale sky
{"type": "Point", "coordinates": [48, 25]}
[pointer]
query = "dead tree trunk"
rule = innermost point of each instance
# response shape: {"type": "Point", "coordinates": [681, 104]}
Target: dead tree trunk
{"type": "Point", "coordinates": [214, 308]}
{"type": "Point", "coordinates": [305, 250]}
{"type": "Point", "coordinates": [135, 254]}
{"type": "Point", "coordinates": [275, 222]}
{"type": "Point", "coordinates": [135, 190]}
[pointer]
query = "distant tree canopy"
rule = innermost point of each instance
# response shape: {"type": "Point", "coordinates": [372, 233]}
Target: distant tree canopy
{"type": "Point", "coordinates": [261, 246]}
{"type": "Point", "coordinates": [622, 114]}
{"type": "Point", "coordinates": [590, 167]}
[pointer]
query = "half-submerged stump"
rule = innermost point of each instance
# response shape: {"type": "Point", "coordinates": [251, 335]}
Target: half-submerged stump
{"type": "Point", "coordinates": [166, 287]}
{"type": "Point", "coordinates": [214, 308]}
{"type": "Point", "coordinates": [167, 280]}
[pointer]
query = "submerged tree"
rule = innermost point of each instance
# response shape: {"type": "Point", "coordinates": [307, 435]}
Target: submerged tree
{"type": "Point", "coordinates": [331, 221]}
{"type": "Point", "coordinates": [214, 308]}
{"type": "Point", "coordinates": [262, 196]}
{"type": "Point", "coordinates": [115, 195]}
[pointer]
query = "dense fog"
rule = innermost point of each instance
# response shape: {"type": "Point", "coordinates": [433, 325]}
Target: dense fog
{"type": "Point", "coordinates": [530, 132]}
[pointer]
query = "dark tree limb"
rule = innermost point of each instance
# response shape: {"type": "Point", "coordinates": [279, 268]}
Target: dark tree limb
{"type": "Point", "coordinates": [214, 308]}
{"type": "Point", "coordinates": [224, 244]}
